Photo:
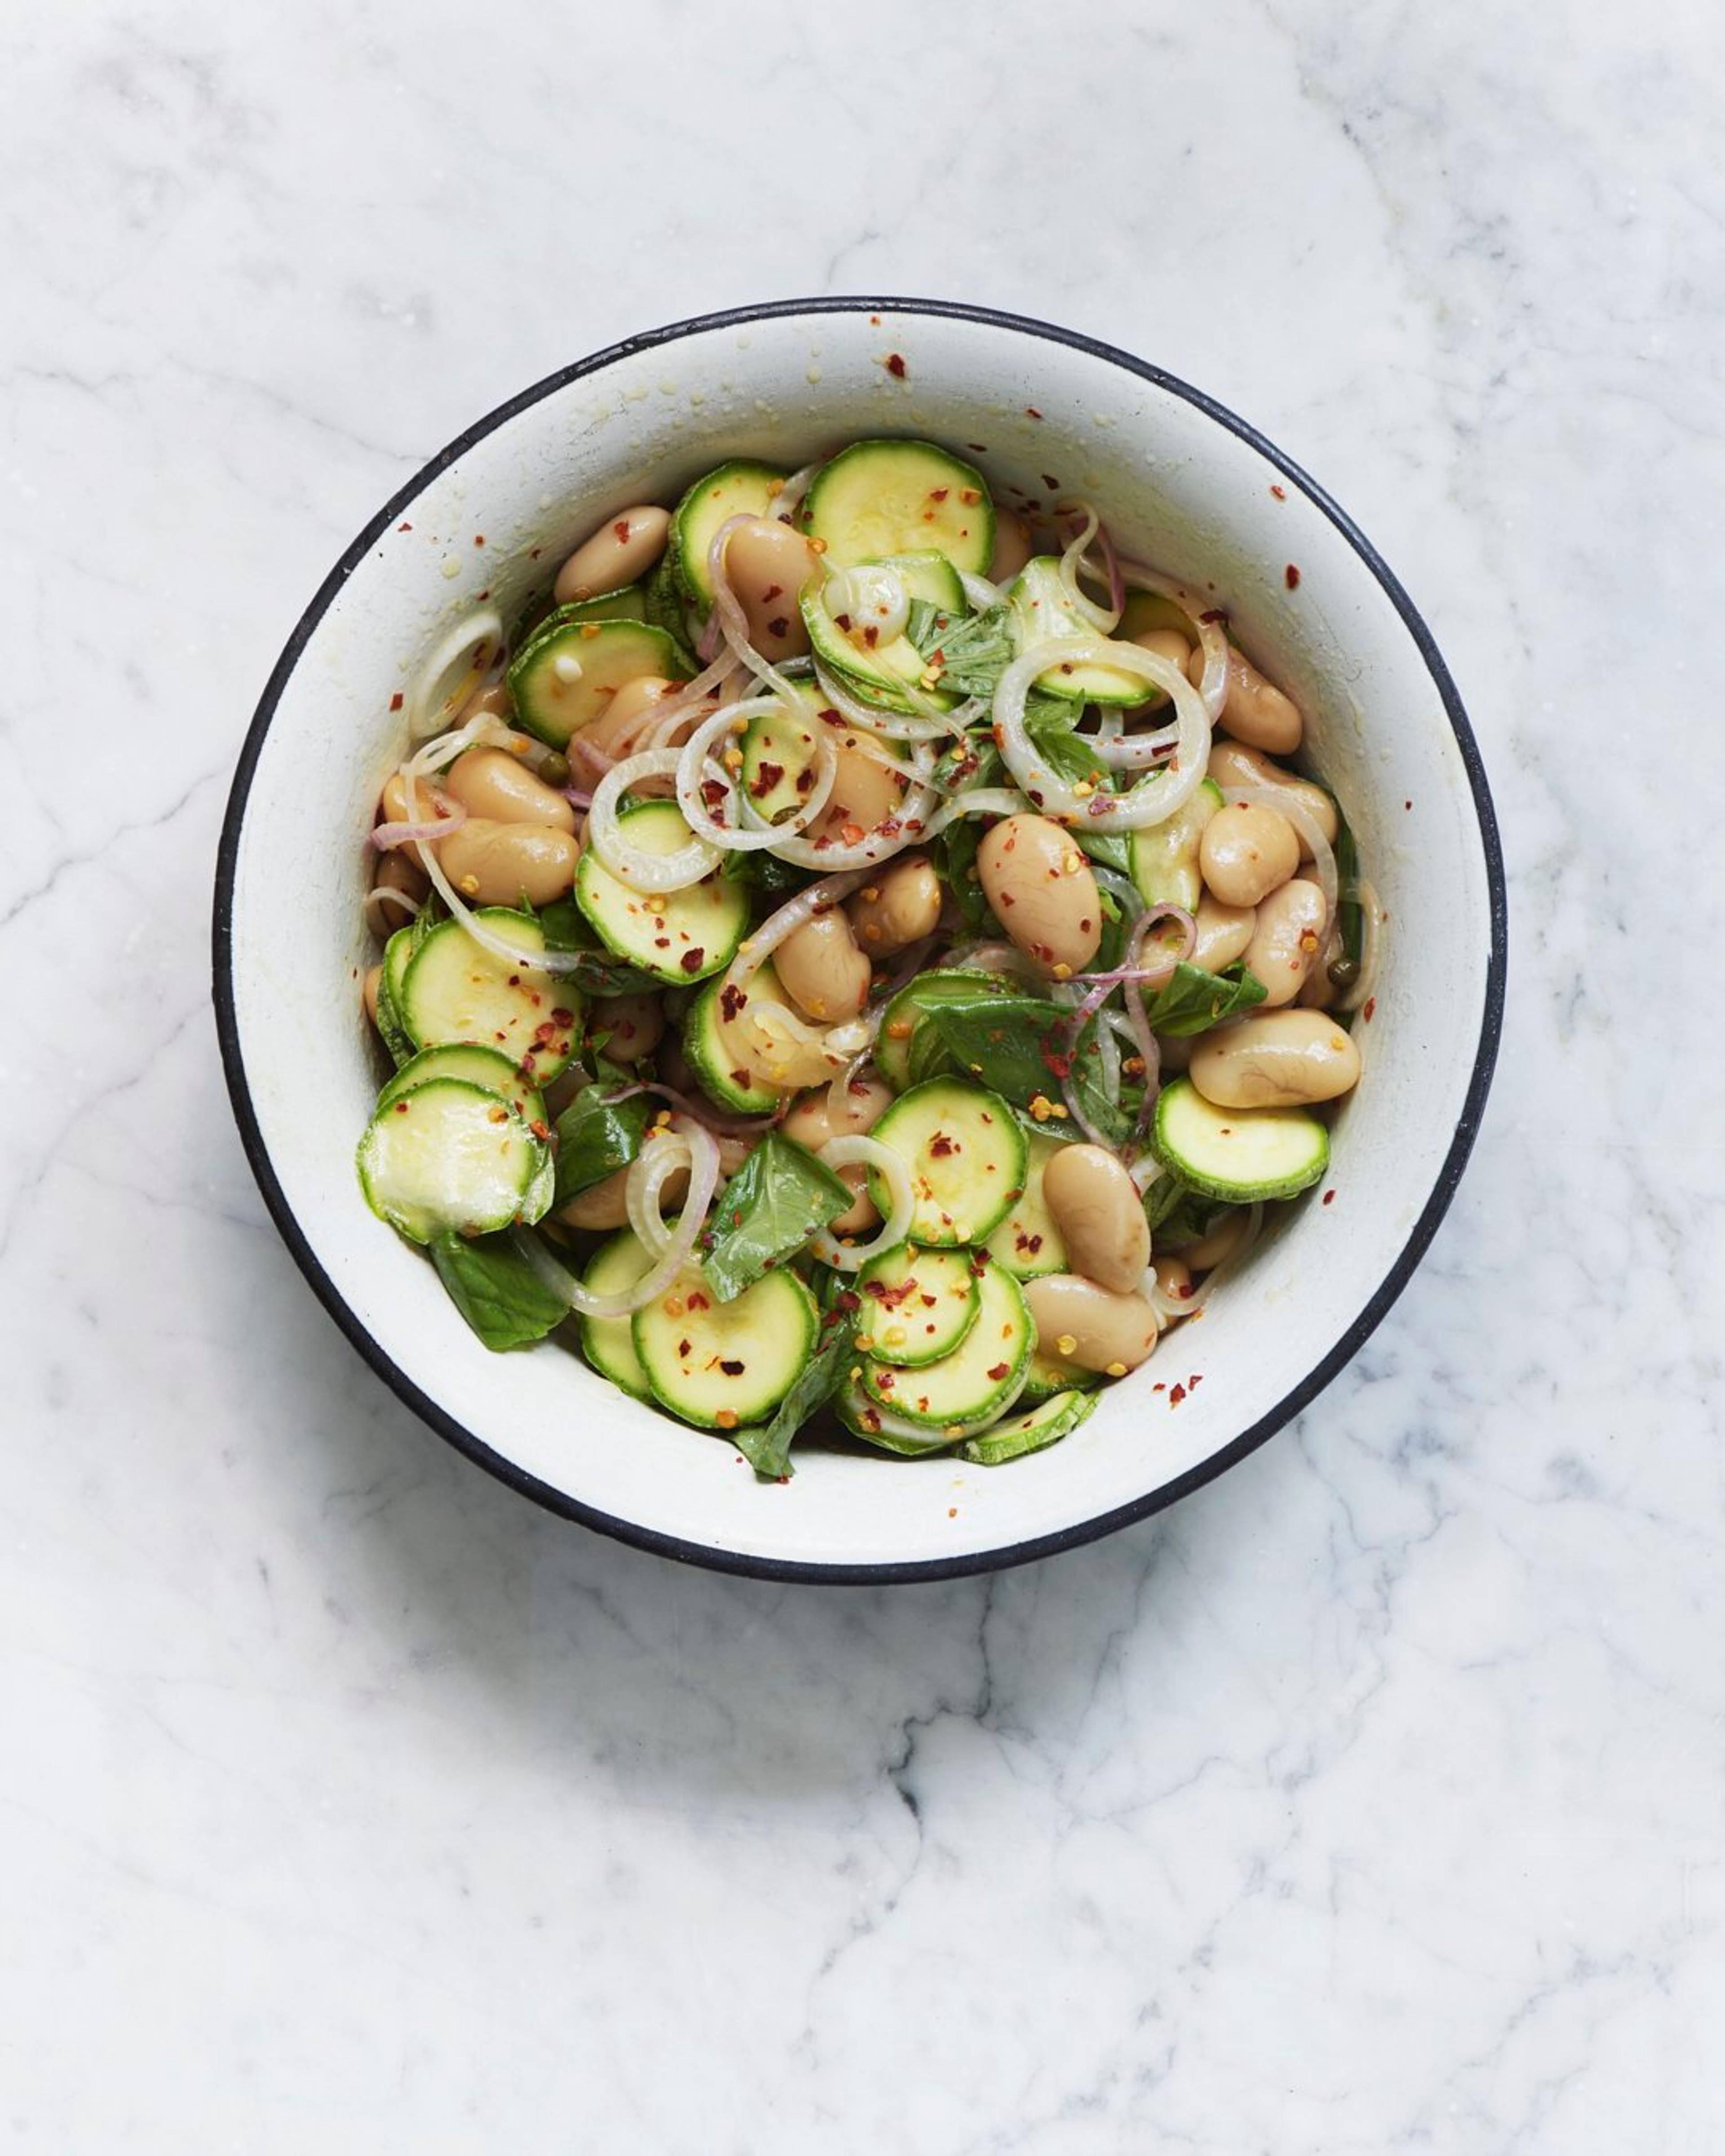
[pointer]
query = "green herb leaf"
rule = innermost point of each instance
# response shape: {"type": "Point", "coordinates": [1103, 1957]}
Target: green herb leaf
{"type": "Point", "coordinates": [768, 1447]}
{"type": "Point", "coordinates": [1163, 1198]}
{"type": "Point", "coordinates": [975, 648]}
{"type": "Point", "coordinates": [595, 1138]}
{"type": "Point", "coordinates": [779, 1197]}
{"type": "Point", "coordinates": [1018, 1046]}
{"type": "Point", "coordinates": [567, 929]}
{"type": "Point", "coordinates": [955, 852]}
{"type": "Point", "coordinates": [496, 1290]}
{"type": "Point", "coordinates": [1189, 1217]}
{"type": "Point", "coordinates": [662, 598]}
{"type": "Point", "coordinates": [1193, 1001]}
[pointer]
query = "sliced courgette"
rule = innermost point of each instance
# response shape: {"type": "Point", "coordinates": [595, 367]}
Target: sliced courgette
{"type": "Point", "coordinates": [1027, 1241]}
{"type": "Point", "coordinates": [966, 1151]}
{"type": "Point", "coordinates": [917, 1305]}
{"type": "Point", "coordinates": [478, 1066]}
{"type": "Point", "coordinates": [741, 488]}
{"type": "Point", "coordinates": [677, 936]}
{"type": "Point", "coordinates": [1046, 1375]}
{"type": "Point", "coordinates": [608, 1342]}
{"type": "Point", "coordinates": [878, 498]}
{"type": "Point", "coordinates": [1238, 1154]}
{"type": "Point", "coordinates": [714, 1053]}
{"type": "Point", "coordinates": [981, 1376]}
{"type": "Point", "coordinates": [928, 576]}
{"type": "Point", "coordinates": [1029, 1431]}
{"type": "Point", "coordinates": [1042, 610]}
{"type": "Point", "coordinates": [627, 602]}
{"type": "Point", "coordinates": [906, 1017]}
{"type": "Point", "coordinates": [455, 989]}
{"type": "Point", "coordinates": [720, 1364]}
{"type": "Point", "coordinates": [889, 1432]}
{"type": "Point", "coordinates": [448, 1155]}
{"type": "Point", "coordinates": [568, 673]}
{"type": "Point", "coordinates": [779, 756]}
{"type": "Point", "coordinates": [397, 953]}
{"type": "Point", "coordinates": [886, 673]}
{"type": "Point", "coordinates": [1164, 857]}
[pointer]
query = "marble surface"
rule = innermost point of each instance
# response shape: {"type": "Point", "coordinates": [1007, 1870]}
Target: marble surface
{"type": "Point", "coordinates": [1370, 1800]}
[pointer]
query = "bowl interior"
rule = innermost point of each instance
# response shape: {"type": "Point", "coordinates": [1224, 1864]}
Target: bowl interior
{"type": "Point", "coordinates": [1043, 417]}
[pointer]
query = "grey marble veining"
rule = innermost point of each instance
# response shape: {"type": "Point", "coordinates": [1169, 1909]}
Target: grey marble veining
{"type": "Point", "coordinates": [1370, 1800]}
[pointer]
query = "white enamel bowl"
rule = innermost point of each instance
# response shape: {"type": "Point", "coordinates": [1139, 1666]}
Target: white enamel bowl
{"type": "Point", "coordinates": [1181, 483]}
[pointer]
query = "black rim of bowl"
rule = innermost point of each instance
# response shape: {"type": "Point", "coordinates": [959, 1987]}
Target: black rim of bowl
{"type": "Point", "coordinates": [783, 1569]}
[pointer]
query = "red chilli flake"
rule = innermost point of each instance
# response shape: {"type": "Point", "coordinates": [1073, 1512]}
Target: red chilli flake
{"type": "Point", "coordinates": [779, 625]}
{"type": "Point", "coordinates": [1370, 1009]}
{"type": "Point", "coordinates": [1292, 576]}
{"type": "Point", "coordinates": [1280, 492]}
{"type": "Point", "coordinates": [1176, 1395]}
{"type": "Point", "coordinates": [403, 527]}
{"type": "Point", "coordinates": [1031, 412]}
{"type": "Point", "coordinates": [398, 700]}
{"type": "Point", "coordinates": [895, 366]}
{"type": "Point", "coordinates": [1329, 1197]}
{"type": "Point", "coordinates": [731, 1369]}
{"type": "Point", "coordinates": [940, 1145]}
{"type": "Point", "coordinates": [691, 961]}
{"type": "Point", "coordinates": [998, 1371]}
{"type": "Point", "coordinates": [766, 778]}
{"type": "Point", "coordinates": [1052, 484]}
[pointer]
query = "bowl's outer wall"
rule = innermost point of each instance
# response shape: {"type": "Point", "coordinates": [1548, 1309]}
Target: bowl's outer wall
{"type": "Point", "coordinates": [1179, 483]}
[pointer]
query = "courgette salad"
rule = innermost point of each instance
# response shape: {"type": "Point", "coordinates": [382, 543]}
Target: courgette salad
{"type": "Point", "coordinates": [860, 954]}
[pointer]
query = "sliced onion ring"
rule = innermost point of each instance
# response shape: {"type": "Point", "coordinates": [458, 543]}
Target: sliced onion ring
{"type": "Point", "coordinates": [1152, 800]}
{"type": "Point", "coordinates": [455, 669]}
{"type": "Point", "coordinates": [860, 1152]}
{"type": "Point", "coordinates": [641, 870]}
{"type": "Point", "coordinates": [703, 1182]}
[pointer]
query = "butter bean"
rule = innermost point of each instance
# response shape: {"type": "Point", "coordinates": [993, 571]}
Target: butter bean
{"type": "Point", "coordinates": [369, 989]}
{"type": "Point", "coordinates": [811, 1123]}
{"type": "Point", "coordinates": [399, 870]}
{"type": "Point", "coordinates": [618, 554]}
{"type": "Point", "coordinates": [822, 971]}
{"type": "Point", "coordinates": [899, 907]}
{"type": "Point", "coordinates": [1320, 992]}
{"type": "Point", "coordinates": [490, 781]}
{"type": "Point", "coordinates": [1283, 1059]}
{"type": "Point", "coordinates": [1224, 933]}
{"type": "Point", "coordinates": [768, 563]}
{"type": "Point", "coordinates": [1256, 712]}
{"type": "Point", "coordinates": [1012, 546]}
{"type": "Point", "coordinates": [1174, 1276]}
{"type": "Point", "coordinates": [1080, 1322]}
{"type": "Point", "coordinates": [864, 794]}
{"type": "Point", "coordinates": [1042, 891]}
{"type": "Point", "coordinates": [1232, 763]}
{"type": "Point", "coordinates": [625, 711]}
{"type": "Point", "coordinates": [1284, 946]}
{"type": "Point", "coordinates": [493, 864]}
{"type": "Point", "coordinates": [1097, 1208]}
{"type": "Point", "coordinates": [632, 1026]}
{"type": "Point", "coordinates": [1219, 1243]}
{"type": "Point", "coordinates": [490, 701]}
{"type": "Point", "coordinates": [1246, 852]}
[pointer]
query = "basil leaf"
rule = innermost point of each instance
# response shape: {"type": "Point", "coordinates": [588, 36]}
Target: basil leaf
{"type": "Point", "coordinates": [496, 1290]}
{"type": "Point", "coordinates": [567, 929]}
{"type": "Point", "coordinates": [595, 1138]}
{"type": "Point", "coordinates": [1192, 1000]}
{"type": "Point", "coordinates": [1164, 1199]}
{"type": "Point", "coordinates": [662, 600]}
{"type": "Point", "coordinates": [777, 1198]}
{"type": "Point", "coordinates": [955, 852]}
{"type": "Point", "coordinates": [975, 649]}
{"type": "Point", "coordinates": [768, 1447]}
{"type": "Point", "coordinates": [1018, 1047]}
{"type": "Point", "coordinates": [1051, 723]}
{"type": "Point", "coordinates": [1190, 1216]}
{"type": "Point", "coordinates": [1108, 850]}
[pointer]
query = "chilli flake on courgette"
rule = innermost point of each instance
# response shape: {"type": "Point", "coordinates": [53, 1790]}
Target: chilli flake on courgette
{"type": "Point", "coordinates": [678, 936]}
{"type": "Point", "coordinates": [569, 672]}
{"type": "Point", "coordinates": [965, 1150]}
{"type": "Point", "coordinates": [719, 1364]}
{"type": "Point", "coordinates": [880, 498]}
{"type": "Point", "coordinates": [917, 1305]}
{"type": "Point", "coordinates": [455, 990]}
{"type": "Point", "coordinates": [979, 1378]}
